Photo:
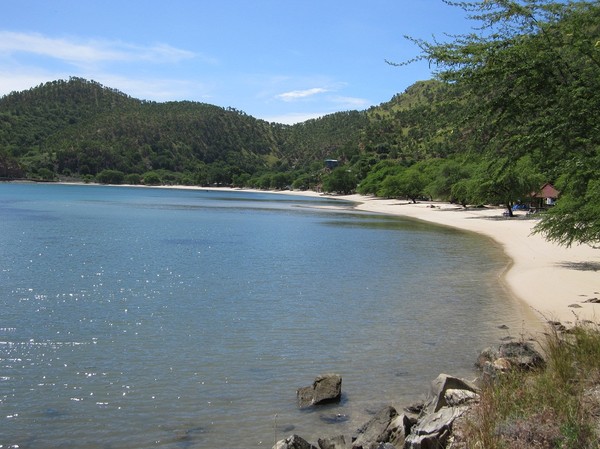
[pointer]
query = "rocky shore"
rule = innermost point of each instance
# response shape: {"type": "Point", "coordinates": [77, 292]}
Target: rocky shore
{"type": "Point", "coordinates": [425, 425]}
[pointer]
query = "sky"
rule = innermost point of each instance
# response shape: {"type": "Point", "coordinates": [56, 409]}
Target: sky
{"type": "Point", "coordinates": [283, 61]}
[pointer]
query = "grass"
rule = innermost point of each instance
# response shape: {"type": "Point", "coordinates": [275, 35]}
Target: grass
{"type": "Point", "coordinates": [554, 407]}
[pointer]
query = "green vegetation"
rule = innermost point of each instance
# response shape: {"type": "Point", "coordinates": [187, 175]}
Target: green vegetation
{"type": "Point", "coordinates": [556, 407]}
{"type": "Point", "coordinates": [513, 105]}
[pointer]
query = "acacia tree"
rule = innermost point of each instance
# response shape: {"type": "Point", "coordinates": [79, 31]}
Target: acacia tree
{"type": "Point", "coordinates": [340, 180]}
{"type": "Point", "coordinates": [533, 68]}
{"type": "Point", "coordinates": [409, 183]}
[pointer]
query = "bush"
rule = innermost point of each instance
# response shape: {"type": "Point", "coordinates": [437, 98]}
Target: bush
{"type": "Point", "coordinates": [133, 178]}
{"type": "Point", "coordinates": [543, 409]}
{"type": "Point", "coordinates": [152, 179]}
{"type": "Point", "coordinates": [110, 177]}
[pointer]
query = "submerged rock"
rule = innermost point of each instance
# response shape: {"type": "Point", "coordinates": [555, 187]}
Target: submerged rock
{"type": "Point", "coordinates": [334, 418]}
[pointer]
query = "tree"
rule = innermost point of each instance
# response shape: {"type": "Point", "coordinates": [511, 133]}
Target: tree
{"type": "Point", "coordinates": [532, 73]}
{"type": "Point", "coordinates": [503, 181]}
{"type": "Point", "coordinates": [340, 180]}
{"type": "Point", "coordinates": [110, 177]}
{"type": "Point", "coordinates": [574, 219]}
{"type": "Point", "coordinates": [151, 178]}
{"type": "Point", "coordinates": [409, 183]}
{"type": "Point", "coordinates": [447, 181]}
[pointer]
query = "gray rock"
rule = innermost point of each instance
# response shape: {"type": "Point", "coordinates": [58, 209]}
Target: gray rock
{"type": "Point", "coordinates": [338, 442]}
{"type": "Point", "coordinates": [520, 355]}
{"type": "Point", "coordinates": [293, 442]}
{"type": "Point", "coordinates": [432, 431]}
{"type": "Point", "coordinates": [455, 398]}
{"type": "Point", "coordinates": [325, 389]}
{"type": "Point", "coordinates": [439, 387]}
{"type": "Point", "coordinates": [378, 430]}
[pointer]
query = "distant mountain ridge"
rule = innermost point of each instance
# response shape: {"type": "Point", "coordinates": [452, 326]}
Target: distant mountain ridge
{"type": "Point", "coordinates": [80, 127]}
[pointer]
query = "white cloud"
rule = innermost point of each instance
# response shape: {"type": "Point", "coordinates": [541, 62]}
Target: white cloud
{"type": "Point", "coordinates": [351, 102]}
{"type": "Point", "coordinates": [298, 94]}
{"type": "Point", "coordinates": [86, 52]}
{"type": "Point", "coordinates": [156, 89]}
{"type": "Point", "coordinates": [21, 78]}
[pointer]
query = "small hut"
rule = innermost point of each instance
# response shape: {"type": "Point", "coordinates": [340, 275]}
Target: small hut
{"type": "Point", "coordinates": [546, 196]}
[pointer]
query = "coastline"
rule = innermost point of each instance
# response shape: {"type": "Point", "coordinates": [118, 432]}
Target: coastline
{"type": "Point", "coordinates": [551, 281]}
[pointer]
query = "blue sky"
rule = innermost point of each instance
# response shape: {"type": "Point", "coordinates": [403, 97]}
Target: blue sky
{"type": "Point", "coordinates": [278, 60]}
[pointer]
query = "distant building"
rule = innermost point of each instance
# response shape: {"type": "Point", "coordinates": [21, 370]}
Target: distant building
{"type": "Point", "coordinates": [331, 163]}
{"type": "Point", "coordinates": [545, 196]}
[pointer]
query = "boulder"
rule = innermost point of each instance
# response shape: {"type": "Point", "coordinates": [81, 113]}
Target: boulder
{"type": "Point", "coordinates": [325, 389]}
{"type": "Point", "coordinates": [293, 442]}
{"type": "Point", "coordinates": [338, 442]}
{"type": "Point", "coordinates": [520, 355]}
{"type": "Point", "coordinates": [439, 387]}
{"type": "Point", "coordinates": [433, 430]}
{"type": "Point", "coordinates": [457, 398]}
{"type": "Point", "coordinates": [387, 426]}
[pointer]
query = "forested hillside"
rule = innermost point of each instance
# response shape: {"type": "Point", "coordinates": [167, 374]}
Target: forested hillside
{"type": "Point", "coordinates": [512, 107]}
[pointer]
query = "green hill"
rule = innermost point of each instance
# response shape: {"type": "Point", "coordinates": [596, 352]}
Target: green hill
{"type": "Point", "coordinates": [79, 127]}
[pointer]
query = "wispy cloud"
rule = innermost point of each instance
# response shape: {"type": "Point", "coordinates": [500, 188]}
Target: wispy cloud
{"type": "Point", "coordinates": [299, 94]}
{"type": "Point", "coordinates": [351, 102]}
{"type": "Point", "coordinates": [84, 52]}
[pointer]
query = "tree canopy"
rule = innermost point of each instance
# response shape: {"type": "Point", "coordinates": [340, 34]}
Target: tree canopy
{"type": "Point", "coordinates": [532, 70]}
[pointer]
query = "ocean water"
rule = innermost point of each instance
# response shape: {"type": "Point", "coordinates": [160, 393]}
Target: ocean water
{"type": "Point", "coordinates": [162, 318]}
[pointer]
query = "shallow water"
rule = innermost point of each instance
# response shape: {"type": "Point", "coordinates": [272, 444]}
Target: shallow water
{"type": "Point", "coordinates": [136, 318]}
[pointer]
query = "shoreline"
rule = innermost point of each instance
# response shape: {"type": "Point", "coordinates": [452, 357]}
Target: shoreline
{"type": "Point", "coordinates": [552, 282]}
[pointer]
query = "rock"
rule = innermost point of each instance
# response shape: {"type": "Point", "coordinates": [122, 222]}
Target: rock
{"type": "Point", "coordinates": [519, 355]}
{"type": "Point", "coordinates": [501, 364]}
{"type": "Point", "coordinates": [432, 431]}
{"type": "Point", "coordinates": [334, 418]}
{"type": "Point", "coordinates": [376, 431]}
{"type": "Point", "coordinates": [415, 408]}
{"type": "Point", "coordinates": [439, 387]}
{"type": "Point", "coordinates": [399, 429]}
{"type": "Point", "coordinates": [456, 398]}
{"type": "Point", "coordinates": [338, 442]}
{"type": "Point", "coordinates": [293, 442]}
{"type": "Point", "coordinates": [325, 389]}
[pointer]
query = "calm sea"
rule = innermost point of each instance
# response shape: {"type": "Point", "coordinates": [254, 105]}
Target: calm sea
{"type": "Point", "coordinates": [161, 318]}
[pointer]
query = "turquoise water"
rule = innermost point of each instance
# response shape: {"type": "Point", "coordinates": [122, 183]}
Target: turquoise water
{"type": "Point", "coordinates": [138, 318]}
